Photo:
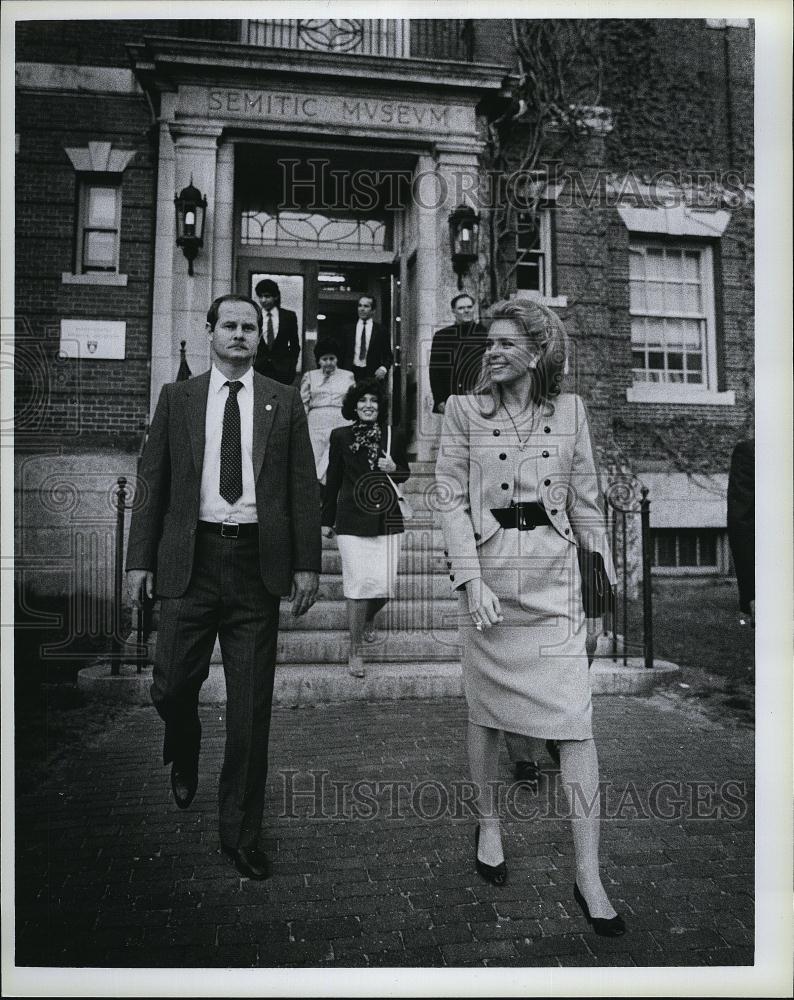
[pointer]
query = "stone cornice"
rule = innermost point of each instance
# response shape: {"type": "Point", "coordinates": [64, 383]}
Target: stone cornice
{"type": "Point", "coordinates": [162, 63]}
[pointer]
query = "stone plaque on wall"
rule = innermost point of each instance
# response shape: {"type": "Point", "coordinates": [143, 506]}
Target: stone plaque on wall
{"type": "Point", "coordinates": [90, 338]}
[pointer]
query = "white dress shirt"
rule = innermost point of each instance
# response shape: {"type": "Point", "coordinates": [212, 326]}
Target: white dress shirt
{"type": "Point", "coordinates": [363, 329]}
{"type": "Point", "coordinates": [212, 506]}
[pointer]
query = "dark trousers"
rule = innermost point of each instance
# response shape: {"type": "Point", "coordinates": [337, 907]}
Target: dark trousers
{"type": "Point", "coordinates": [225, 597]}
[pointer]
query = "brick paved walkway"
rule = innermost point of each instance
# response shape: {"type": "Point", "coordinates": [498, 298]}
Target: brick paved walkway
{"type": "Point", "coordinates": [111, 873]}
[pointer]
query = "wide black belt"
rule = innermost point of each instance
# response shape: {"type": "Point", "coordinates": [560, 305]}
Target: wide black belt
{"type": "Point", "coordinates": [228, 529]}
{"type": "Point", "coordinates": [524, 516]}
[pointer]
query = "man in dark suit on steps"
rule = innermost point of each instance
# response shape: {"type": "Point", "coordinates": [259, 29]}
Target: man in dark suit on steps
{"type": "Point", "coordinates": [456, 354]}
{"type": "Point", "coordinates": [366, 348]}
{"type": "Point", "coordinates": [279, 345]}
{"type": "Point", "coordinates": [226, 522]}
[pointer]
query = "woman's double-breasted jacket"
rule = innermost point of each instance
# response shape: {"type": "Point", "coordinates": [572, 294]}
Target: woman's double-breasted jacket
{"type": "Point", "coordinates": [359, 500]}
{"type": "Point", "coordinates": [480, 464]}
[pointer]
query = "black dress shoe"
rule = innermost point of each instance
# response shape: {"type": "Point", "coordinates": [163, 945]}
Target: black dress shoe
{"type": "Point", "coordinates": [553, 750]}
{"type": "Point", "coordinates": [184, 782]}
{"type": "Point", "coordinates": [496, 874]}
{"type": "Point", "coordinates": [527, 773]}
{"type": "Point", "coordinates": [606, 927]}
{"type": "Point", "coordinates": [250, 862]}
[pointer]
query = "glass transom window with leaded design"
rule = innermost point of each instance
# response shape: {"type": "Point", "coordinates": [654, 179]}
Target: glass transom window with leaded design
{"type": "Point", "coordinates": [673, 340]}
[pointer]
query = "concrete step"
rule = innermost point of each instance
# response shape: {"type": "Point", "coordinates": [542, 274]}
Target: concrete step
{"type": "Point", "coordinates": [299, 684]}
{"type": "Point", "coordinates": [418, 561]}
{"type": "Point", "coordinates": [397, 615]}
{"type": "Point", "coordinates": [332, 646]}
{"type": "Point", "coordinates": [422, 469]}
{"type": "Point", "coordinates": [421, 614]}
{"type": "Point", "coordinates": [410, 586]}
{"type": "Point", "coordinates": [422, 533]}
{"type": "Point", "coordinates": [296, 684]}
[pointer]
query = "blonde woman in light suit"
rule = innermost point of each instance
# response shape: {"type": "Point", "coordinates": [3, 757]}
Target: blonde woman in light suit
{"type": "Point", "coordinates": [520, 497]}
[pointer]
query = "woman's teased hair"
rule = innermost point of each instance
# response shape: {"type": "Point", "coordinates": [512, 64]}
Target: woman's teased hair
{"type": "Point", "coordinates": [325, 346]}
{"type": "Point", "coordinates": [547, 334]}
{"type": "Point", "coordinates": [374, 387]}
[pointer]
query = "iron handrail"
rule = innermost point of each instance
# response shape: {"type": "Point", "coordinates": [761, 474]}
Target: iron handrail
{"type": "Point", "coordinates": [627, 496]}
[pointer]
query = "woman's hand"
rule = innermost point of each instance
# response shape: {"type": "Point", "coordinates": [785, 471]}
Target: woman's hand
{"type": "Point", "coordinates": [484, 606]}
{"type": "Point", "coordinates": [594, 626]}
{"type": "Point", "coordinates": [387, 464]}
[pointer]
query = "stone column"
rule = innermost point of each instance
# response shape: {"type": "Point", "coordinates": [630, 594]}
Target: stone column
{"type": "Point", "coordinates": [181, 301]}
{"type": "Point", "coordinates": [161, 369]}
{"type": "Point", "coordinates": [449, 178]}
{"type": "Point", "coordinates": [196, 157]}
{"type": "Point", "coordinates": [222, 252]}
{"type": "Point", "coordinates": [428, 276]}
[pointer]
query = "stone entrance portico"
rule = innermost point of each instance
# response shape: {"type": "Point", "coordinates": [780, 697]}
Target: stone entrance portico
{"type": "Point", "coordinates": [211, 98]}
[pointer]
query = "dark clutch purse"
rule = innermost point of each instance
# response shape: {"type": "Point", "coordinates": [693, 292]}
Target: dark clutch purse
{"type": "Point", "coordinates": [598, 595]}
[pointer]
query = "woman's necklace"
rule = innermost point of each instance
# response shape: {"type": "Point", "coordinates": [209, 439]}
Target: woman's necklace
{"type": "Point", "coordinates": [521, 443]}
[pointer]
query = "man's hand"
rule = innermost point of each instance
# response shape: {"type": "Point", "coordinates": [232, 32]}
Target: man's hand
{"type": "Point", "coordinates": [328, 532]}
{"type": "Point", "coordinates": [140, 582]}
{"type": "Point", "coordinates": [594, 627]}
{"type": "Point", "coordinates": [381, 372]}
{"type": "Point", "coordinates": [387, 464]}
{"type": "Point", "coordinates": [441, 407]}
{"type": "Point", "coordinates": [304, 591]}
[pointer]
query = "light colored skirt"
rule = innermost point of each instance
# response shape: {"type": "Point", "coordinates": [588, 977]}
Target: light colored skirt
{"type": "Point", "coordinates": [322, 420]}
{"type": "Point", "coordinates": [529, 674]}
{"type": "Point", "coordinates": [369, 565]}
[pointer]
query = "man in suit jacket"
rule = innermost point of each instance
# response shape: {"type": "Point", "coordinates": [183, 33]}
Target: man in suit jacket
{"type": "Point", "coordinates": [279, 345]}
{"type": "Point", "coordinates": [225, 524]}
{"type": "Point", "coordinates": [741, 522]}
{"type": "Point", "coordinates": [366, 349]}
{"type": "Point", "coordinates": [456, 354]}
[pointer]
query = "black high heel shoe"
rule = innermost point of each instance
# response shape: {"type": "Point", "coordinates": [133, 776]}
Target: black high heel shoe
{"type": "Point", "coordinates": [496, 874]}
{"type": "Point", "coordinates": [606, 927]}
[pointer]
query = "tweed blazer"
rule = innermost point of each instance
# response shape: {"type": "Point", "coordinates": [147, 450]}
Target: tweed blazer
{"type": "Point", "coordinates": [166, 510]}
{"type": "Point", "coordinates": [479, 462]}
{"type": "Point", "coordinates": [360, 500]}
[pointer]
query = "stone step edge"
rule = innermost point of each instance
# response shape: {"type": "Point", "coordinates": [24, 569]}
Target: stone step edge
{"type": "Point", "coordinates": [299, 684]}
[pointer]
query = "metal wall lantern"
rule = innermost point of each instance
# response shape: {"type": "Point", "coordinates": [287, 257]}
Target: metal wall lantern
{"type": "Point", "coordinates": [464, 239]}
{"type": "Point", "coordinates": [191, 210]}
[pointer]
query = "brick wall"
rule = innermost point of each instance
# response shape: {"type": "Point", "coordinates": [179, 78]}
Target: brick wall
{"type": "Point", "coordinates": [680, 94]}
{"type": "Point", "coordinates": [88, 397]}
{"type": "Point", "coordinates": [101, 43]}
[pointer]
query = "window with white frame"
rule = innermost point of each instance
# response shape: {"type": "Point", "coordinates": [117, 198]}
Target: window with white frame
{"type": "Point", "coordinates": [98, 224]}
{"type": "Point", "coordinates": [533, 253]}
{"type": "Point", "coordinates": [673, 336]}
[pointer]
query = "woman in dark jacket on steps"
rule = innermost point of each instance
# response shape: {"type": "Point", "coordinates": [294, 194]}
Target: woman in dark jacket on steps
{"type": "Point", "coordinates": [362, 506]}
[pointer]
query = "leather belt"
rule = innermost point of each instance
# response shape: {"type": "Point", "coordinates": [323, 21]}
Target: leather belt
{"type": "Point", "coordinates": [524, 516]}
{"type": "Point", "coordinates": [228, 529]}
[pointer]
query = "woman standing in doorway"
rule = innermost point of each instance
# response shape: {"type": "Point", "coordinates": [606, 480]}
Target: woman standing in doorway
{"type": "Point", "coordinates": [516, 470]}
{"type": "Point", "coordinates": [362, 506]}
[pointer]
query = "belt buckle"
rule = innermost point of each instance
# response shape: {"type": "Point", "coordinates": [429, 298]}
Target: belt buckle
{"type": "Point", "coordinates": [234, 529]}
{"type": "Point", "coordinates": [521, 517]}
